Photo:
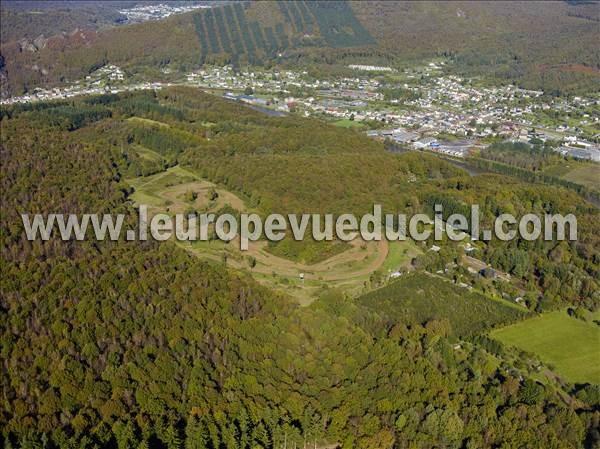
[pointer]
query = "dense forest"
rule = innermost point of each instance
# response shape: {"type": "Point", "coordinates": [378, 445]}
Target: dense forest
{"type": "Point", "coordinates": [520, 154]}
{"type": "Point", "coordinates": [529, 163]}
{"type": "Point", "coordinates": [31, 19]}
{"type": "Point", "coordinates": [503, 43]}
{"type": "Point", "coordinates": [140, 344]}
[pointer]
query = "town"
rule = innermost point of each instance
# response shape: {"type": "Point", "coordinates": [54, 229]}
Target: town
{"type": "Point", "coordinates": [157, 11]}
{"type": "Point", "coordinates": [418, 108]}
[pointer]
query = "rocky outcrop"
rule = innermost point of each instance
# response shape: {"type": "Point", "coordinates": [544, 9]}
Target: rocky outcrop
{"type": "Point", "coordinates": [33, 45]}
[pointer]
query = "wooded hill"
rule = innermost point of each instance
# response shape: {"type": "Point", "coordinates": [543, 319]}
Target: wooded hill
{"type": "Point", "coordinates": [228, 31]}
{"type": "Point", "coordinates": [137, 345]}
{"type": "Point", "coordinates": [30, 19]}
{"type": "Point", "coordinates": [505, 42]}
{"type": "Point", "coordinates": [298, 165]}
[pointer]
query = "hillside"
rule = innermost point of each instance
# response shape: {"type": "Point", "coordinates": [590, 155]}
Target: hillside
{"type": "Point", "coordinates": [34, 19]}
{"type": "Point", "coordinates": [31, 19]}
{"type": "Point", "coordinates": [501, 41]}
{"type": "Point", "coordinates": [144, 344]}
{"type": "Point", "coordinates": [237, 33]}
{"type": "Point", "coordinates": [178, 262]}
{"type": "Point", "coordinates": [298, 165]}
{"type": "Point", "coordinates": [504, 41]}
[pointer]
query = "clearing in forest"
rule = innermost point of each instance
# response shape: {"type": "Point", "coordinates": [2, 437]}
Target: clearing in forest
{"type": "Point", "coordinates": [178, 190]}
{"type": "Point", "coordinates": [570, 345]}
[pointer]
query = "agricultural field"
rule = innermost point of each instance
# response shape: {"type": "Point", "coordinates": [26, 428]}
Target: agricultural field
{"type": "Point", "coordinates": [570, 345]}
{"type": "Point", "coordinates": [584, 173]}
{"type": "Point", "coordinates": [232, 30]}
{"type": "Point", "coordinates": [588, 175]}
{"type": "Point", "coordinates": [420, 297]}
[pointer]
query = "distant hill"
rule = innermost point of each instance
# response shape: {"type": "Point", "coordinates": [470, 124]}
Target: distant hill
{"type": "Point", "coordinates": [260, 32]}
{"type": "Point", "coordinates": [535, 44]}
{"type": "Point", "coordinates": [30, 19]}
{"type": "Point", "coordinates": [550, 45]}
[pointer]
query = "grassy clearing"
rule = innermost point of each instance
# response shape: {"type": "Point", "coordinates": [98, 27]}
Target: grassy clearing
{"type": "Point", "coordinates": [588, 175]}
{"type": "Point", "coordinates": [584, 173]}
{"type": "Point", "coordinates": [558, 170]}
{"type": "Point", "coordinates": [147, 154]}
{"type": "Point", "coordinates": [147, 121]}
{"type": "Point", "coordinates": [399, 255]}
{"type": "Point", "coordinates": [347, 123]}
{"type": "Point", "coordinates": [572, 346]}
{"type": "Point", "coordinates": [168, 191]}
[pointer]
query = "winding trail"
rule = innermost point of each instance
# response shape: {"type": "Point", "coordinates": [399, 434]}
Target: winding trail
{"type": "Point", "coordinates": [348, 269]}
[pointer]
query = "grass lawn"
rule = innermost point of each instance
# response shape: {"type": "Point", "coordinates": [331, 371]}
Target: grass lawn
{"type": "Point", "coordinates": [584, 173]}
{"type": "Point", "coordinates": [400, 254]}
{"type": "Point", "coordinates": [347, 123]}
{"type": "Point", "coordinates": [588, 175]}
{"type": "Point", "coordinates": [571, 345]}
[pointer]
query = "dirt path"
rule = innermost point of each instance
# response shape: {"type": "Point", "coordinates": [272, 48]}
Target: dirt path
{"type": "Point", "coordinates": [346, 269]}
{"type": "Point", "coordinates": [360, 260]}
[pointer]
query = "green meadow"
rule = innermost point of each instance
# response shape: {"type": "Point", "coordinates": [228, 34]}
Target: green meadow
{"type": "Point", "coordinates": [347, 123]}
{"type": "Point", "coordinates": [571, 345]}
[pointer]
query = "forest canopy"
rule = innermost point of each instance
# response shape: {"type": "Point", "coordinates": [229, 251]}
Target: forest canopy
{"type": "Point", "coordinates": [141, 344]}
